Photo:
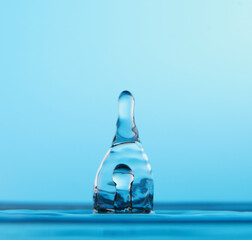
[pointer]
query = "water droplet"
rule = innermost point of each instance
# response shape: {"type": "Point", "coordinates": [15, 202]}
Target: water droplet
{"type": "Point", "coordinates": [124, 180]}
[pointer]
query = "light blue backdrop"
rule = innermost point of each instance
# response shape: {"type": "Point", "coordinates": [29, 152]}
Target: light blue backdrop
{"type": "Point", "coordinates": [63, 65]}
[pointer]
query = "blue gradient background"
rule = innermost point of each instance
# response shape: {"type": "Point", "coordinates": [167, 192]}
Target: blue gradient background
{"type": "Point", "coordinates": [63, 65]}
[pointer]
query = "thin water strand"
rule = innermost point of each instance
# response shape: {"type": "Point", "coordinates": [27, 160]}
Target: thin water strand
{"type": "Point", "coordinates": [126, 130]}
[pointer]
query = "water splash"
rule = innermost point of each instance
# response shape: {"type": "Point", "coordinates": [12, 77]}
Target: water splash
{"type": "Point", "coordinates": [124, 183]}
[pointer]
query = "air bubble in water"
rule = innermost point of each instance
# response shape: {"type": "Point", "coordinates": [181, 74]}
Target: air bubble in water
{"type": "Point", "coordinates": [123, 178]}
